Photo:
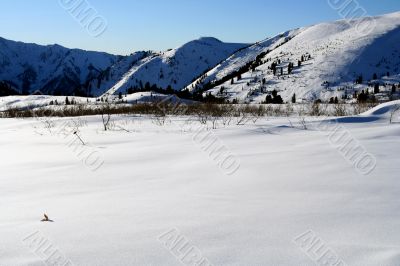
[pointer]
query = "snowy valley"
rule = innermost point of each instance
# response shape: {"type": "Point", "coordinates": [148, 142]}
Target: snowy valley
{"type": "Point", "coordinates": [280, 152]}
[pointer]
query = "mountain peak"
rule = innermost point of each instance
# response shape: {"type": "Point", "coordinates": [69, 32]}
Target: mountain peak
{"type": "Point", "coordinates": [209, 40]}
{"type": "Point", "coordinates": [323, 59]}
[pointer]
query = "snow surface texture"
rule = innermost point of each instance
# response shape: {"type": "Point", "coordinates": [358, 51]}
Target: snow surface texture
{"type": "Point", "coordinates": [156, 178]}
{"type": "Point", "coordinates": [340, 52]}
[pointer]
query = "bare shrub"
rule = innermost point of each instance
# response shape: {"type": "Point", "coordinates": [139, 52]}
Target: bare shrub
{"type": "Point", "coordinates": [254, 112]}
{"type": "Point", "coordinates": [247, 113]}
{"type": "Point", "coordinates": [203, 115]}
{"type": "Point", "coordinates": [317, 109]}
{"type": "Point", "coordinates": [301, 110]}
{"type": "Point", "coordinates": [227, 114]}
{"type": "Point", "coordinates": [303, 122]}
{"type": "Point", "coordinates": [359, 108]}
{"type": "Point", "coordinates": [241, 117]}
{"type": "Point", "coordinates": [289, 110]}
{"type": "Point", "coordinates": [339, 110]}
{"type": "Point", "coordinates": [105, 111]}
{"type": "Point", "coordinates": [278, 111]}
{"type": "Point", "coordinates": [48, 124]}
{"type": "Point", "coordinates": [77, 124]}
{"type": "Point", "coordinates": [159, 120]}
{"type": "Point", "coordinates": [216, 113]}
{"type": "Point", "coordinates": [269, 110]}
{"type": "Point", "coordinates": [159, 115]}
{"type": "Point", "coordinates": [9, 113]}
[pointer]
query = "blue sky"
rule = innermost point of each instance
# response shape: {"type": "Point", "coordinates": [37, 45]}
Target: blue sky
{"type": "Point", "coordinates": [161, 24]}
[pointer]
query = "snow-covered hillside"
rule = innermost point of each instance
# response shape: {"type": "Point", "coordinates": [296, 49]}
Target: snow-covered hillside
{"type": "Point", "coordinates": [51, 69]}
{"type": "Point", "coordinates": [177, 67]}
{"type": "Point", "coordinates": [121, 73]}
{"type": "Point", "coordinates": [327, 59]}
{"type": "Point", "coordinates": [240, 59]}
{"type": "Point", "coordinates": [334, 56]}
{"type": "Point", "coordinates": [54, 69]}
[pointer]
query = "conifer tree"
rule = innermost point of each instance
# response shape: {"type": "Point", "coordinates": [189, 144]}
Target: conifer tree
{"type": "Point", "coordinates": [376, 88]}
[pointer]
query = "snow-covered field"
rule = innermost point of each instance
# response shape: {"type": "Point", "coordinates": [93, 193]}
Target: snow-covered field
{"type": "Point", "coordinates": [123, 197]}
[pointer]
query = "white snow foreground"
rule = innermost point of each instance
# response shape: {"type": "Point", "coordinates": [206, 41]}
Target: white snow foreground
{"type": "Point", "coordinates": [159, 199]}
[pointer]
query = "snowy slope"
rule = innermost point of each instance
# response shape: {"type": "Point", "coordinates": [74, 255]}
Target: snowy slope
{"type": "Point", "coordinates": [385, 110]}
{"type": "Point", "coordinates": [178, 67]}
{"type": "Point", "coordinates": [240, 58]}
{"type": "Point", "coordinates": [51, 69]}
{"type": "Point", "coordinates": [339, 54]}
{"type": "Point", "coordinates": [156, 178]}
{"type": "Point", "coordinates": [57, 70]}
{"type": "Point", "coordinates": [126, 76]}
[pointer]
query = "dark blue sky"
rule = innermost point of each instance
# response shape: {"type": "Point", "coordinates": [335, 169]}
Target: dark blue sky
{"type": "Point", "coordinates": [161, 24]}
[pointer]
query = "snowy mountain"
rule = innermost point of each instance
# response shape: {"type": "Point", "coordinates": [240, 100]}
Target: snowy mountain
{"type": "Point", "coordinates": [119, 72]}
{"type": "Point", "coordinates": [333, 56]}
{"type": "Point", "coordinates": [26, 68]}
{"type": "Point", "coordinates": [177, 67]}
{"type": "Point", "coordinates": [327, 60]}
{"type": "Point", "coordinates": [51, 69]}
{"type": "Point", "coordinates": [239, 60]}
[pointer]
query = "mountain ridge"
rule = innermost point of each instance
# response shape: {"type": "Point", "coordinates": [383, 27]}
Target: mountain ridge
{"type": "Point", "coordinates": [57, 70]}
{"type": "Point", "coordinates": [336, 53]}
